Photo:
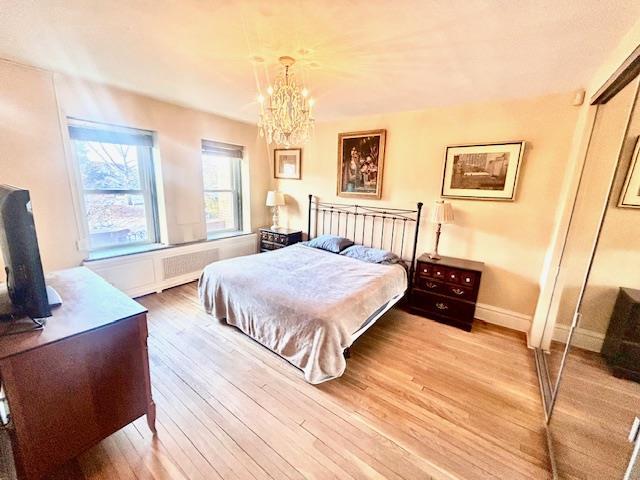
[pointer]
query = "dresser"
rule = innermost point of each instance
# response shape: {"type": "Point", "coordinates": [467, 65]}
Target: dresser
{"type": "Point", "coordinates": [621, 347]}
{"type": "Point", "coordinates": [274, 238]}
{"type": "Point", "coordinates": [446, 290]}
{"type": "Point", "coordinates": [81, 378]}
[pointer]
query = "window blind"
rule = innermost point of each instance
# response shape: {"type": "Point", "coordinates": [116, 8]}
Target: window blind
{"type": "Point", "coordinates": [224, 149]}
{"type": "Point", "coordinates": [116, 135]}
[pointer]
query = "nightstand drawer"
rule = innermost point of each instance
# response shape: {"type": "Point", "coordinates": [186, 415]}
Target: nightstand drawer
{"type": "Point", "coordinates": [469, 279]}
{"type": "Point", "coordinates": [429, 285]}
{"type": "Point", "coordinates": [464, 293]}
{"type": "Point", "coordinates": [274, 239]}
{"type": "Point", "coordinates": [424, 269]}
{"type": "Point", "coordinates": [439, 272]}
{"type": "Point", "coordinates": [439, 305]}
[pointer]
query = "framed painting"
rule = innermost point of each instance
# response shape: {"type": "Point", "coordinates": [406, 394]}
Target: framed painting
{"type": "Point", "coordinates": [361, 163]}
{"type": "Point", "coordinates": [287, 163]}
{"type": "Point", "coordinates": [482, 172]}
{"type": "Point", "coordinates": [630, 194]}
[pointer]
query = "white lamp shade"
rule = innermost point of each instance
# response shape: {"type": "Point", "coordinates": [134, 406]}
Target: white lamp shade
{"type": "Point", "coordinates": [442, 213]}
{"type": "Point", "coordinates": [274, 199]}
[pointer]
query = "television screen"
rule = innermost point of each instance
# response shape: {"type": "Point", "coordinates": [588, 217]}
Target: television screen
{"type": "Point", "coordinates": [19, 245]}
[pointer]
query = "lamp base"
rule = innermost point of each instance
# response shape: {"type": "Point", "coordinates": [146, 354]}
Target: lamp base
{"type": "Point", "coordinates": [434, 255]}
{"type": "Point", "coordinates": [275, 219]}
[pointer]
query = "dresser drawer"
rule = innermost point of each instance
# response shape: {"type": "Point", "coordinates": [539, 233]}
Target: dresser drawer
{"type": "Point", "coordinates": [459, 310]}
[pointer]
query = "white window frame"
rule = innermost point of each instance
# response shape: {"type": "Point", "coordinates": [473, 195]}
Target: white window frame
{"type": "Point", "coordinates": [146, 170]}
{"type": "Point", "coordinates": [236, 154]}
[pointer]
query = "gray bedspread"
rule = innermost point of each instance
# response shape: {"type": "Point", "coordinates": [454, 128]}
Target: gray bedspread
{"type": "Point", "coordinates": [300, 302]}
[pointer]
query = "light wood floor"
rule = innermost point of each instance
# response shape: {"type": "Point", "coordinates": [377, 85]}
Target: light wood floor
{"type": "Point", "coordinates": [419, 400]}
{"type": "Point", "coordinates": [592, 418]}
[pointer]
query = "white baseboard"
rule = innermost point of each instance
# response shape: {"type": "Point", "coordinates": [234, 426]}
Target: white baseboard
{"type": "Point", "coordinates": [503, 317]}
{"type": "Point", "coordinates": [582, 338]}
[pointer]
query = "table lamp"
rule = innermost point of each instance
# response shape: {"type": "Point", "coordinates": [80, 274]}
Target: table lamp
{"type": "Point", "coordinates": [275, 199]}
{"type": "Point", "coordinates": [442, 213]}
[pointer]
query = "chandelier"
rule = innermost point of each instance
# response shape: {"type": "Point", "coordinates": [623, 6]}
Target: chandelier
{"type": "Point", "coordinates": [285, 116]}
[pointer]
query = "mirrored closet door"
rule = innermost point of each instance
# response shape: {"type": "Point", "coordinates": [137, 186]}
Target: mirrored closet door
{"type": "Point", "coordinates": [590, 352]}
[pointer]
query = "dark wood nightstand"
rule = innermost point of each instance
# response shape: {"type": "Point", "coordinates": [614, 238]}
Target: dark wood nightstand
{"type": "Point", "coordinates": [272, 239]}
{"type": "Point", "coordinates": [446, 290]}
{"type": "Point", "coordinates": [621, 347]}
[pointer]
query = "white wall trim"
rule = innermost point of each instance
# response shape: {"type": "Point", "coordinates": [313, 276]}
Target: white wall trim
{"type": "Point", "coordinates": [582, 338]}
{"type": "Point", "coordinates": [503, 317]}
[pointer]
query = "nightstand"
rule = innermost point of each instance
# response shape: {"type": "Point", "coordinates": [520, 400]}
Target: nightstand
{"type": "Point", "coordinates": [446, 290]}
{"type": "Point", "coordinates": [621, 347]}
{"type": "Point", "coordinates": [272, 239]}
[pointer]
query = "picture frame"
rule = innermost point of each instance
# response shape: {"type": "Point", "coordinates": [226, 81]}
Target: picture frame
{"type": "Point", "coordinates": [630, 193]}
{"type": "Point", "coordinates": [287, 163]}
{"type": "Point", "coordinates": [361, 164]}
{"type": "Point", "coordinates": [486, 171]}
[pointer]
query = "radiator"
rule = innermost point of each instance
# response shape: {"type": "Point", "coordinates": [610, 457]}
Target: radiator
{"type": "Point", "coordinates": [178, 265]}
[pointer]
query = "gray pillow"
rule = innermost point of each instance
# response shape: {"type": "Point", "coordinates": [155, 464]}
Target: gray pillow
{"type": "Point", "coordinates": [371, 255]}
{"type": "Point", "coordinates": [330, 243]}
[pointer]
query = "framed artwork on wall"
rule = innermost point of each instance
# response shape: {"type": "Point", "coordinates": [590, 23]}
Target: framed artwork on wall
{"type": "Point", "coordinates": [482, 172]}
{"type": "Point", "coordinates": [361, 163]}
{"type": "Point", "coordinates": [287, 163]}
{"type": "Point", "coordinates": [630, 194]}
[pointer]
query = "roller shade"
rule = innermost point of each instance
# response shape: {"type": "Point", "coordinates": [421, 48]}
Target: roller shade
{"type": "Point", "coordinates": [123, 137]}
{"type": "Point", "coordinates": [223, 149]}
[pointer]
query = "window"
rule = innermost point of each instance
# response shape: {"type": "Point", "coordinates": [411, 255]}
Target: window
{"type": "Point", "coordinates": [117, 181]}
{"type": "Point", "coordinates": [221, 166]}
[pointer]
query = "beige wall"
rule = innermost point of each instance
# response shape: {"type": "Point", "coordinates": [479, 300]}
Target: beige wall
{"type": "Point", "coordinates": [617, 260]}
{"type": "Point", "coordinates": [604, 148]}
{"type": "Point", "coordinates": [543, 326]}
{"type": "Point", "coordinates": [510, 237]}
{"type": "Point", "coordinates": [33, 146]}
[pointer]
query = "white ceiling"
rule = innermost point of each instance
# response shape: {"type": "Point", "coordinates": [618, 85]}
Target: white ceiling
{"type": "Point", "coordinates": [362, 56]}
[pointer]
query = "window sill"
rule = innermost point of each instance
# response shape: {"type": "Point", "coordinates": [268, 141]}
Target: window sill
{"type": "Point", "coordinates": [220, 235]}
{"type": "Point", "coordinates": [124, 250]}
{"type": "Point", "coordinates": [151, 247]}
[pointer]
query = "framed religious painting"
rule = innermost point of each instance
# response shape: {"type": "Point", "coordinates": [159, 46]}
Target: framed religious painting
{"type": "Point", "coordinates": [482, 172]}
{"type": "Point", "coordinates": [361, 163]}
{"type": "Point", "coordinates": [287, 163]}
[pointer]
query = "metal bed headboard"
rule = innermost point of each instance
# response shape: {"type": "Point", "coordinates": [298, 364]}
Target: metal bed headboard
{"type": "Point", "coordinates": [366, 225]}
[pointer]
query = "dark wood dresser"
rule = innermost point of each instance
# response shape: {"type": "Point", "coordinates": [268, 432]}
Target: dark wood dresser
{"type": "Point", "coordinates": [446, 290]}
{"type": "Point", "coordinates": [81, 378]}
{"type": "Point", "coordinates": [621, 347]}
{"type": "Point", "coordinates": [272, 239]}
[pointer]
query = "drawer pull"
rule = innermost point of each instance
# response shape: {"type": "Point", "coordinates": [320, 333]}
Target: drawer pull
{"type": "Point", "coordinates": [457, 291]}
{"type": "Point", "coordinates": [441, 306]}
{"type": "Point", "coordinates": [431, 285]}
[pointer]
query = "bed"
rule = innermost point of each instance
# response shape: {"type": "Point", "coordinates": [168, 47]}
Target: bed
{"type": "Point", "coordinates": [309, 305]}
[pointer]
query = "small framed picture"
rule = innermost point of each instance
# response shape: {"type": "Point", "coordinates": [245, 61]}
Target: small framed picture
{"type": "Point", "coordinates": [286, 163]}
{"type": "Point", "coordinates": [360, 163]}
{"type": "Point", "coordinates": [630, 194]}
{"type": "Point", "coordinates": [482, 172]}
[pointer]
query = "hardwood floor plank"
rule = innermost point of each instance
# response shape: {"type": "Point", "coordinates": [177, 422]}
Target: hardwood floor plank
{"type": "Point", "coordinates": [419, 400]}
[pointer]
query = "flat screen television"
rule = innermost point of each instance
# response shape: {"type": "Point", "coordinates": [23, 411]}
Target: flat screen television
{"type": "Point", "coordinates": [26, 291]}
